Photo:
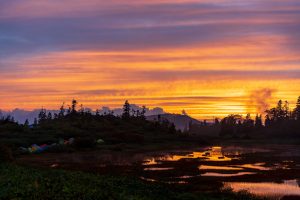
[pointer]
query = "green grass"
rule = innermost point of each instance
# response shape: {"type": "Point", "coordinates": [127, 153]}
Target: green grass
{"type": "Point", "coordinates": [17, 182]}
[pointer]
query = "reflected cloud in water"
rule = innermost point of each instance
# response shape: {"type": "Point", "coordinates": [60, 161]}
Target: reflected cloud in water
{"type": "Point", "coordinates": [275, 190]}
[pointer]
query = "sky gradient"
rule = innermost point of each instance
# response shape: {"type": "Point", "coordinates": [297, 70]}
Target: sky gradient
{"type": "Point", "coordinates": [209, 57]}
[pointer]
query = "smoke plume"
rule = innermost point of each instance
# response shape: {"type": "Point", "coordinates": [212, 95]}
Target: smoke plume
{"type": "Point", "coordinates": [261, 99]}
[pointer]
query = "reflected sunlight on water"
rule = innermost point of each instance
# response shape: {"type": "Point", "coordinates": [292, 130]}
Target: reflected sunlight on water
{"type": "Point", "coordinates": [257, 166]}
{"type": "Point", "coordinates": [214, 174]}
{"type": "Point", "coordinates": [158, 168]}
{"type": "Point", "coordinates": [212, 154]}
{"type": "Point", "coordinates": [208, 167]}
{"type": "Point", "coordinates": [150, 161]}
{"type": "Point", "coordinates": [216, 164]}
{"type": "Point", "coordinates": [275, 190]}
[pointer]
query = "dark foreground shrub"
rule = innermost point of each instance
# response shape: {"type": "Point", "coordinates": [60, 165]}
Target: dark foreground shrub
{"type": "Point", "coordinates": [61, 148]}
{"type": "Point", "coordinates": [134, 138]}
{"type": "Point", "coordinates": [5, 153]}
{"type": "Point", "coordinates": [80, 143]}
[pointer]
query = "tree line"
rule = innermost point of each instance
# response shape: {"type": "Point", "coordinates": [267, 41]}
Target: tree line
{"type": "Point", "coordinates": [279, 120]}
{"type": "Point", "coordinates": [72, 111]}
{"type": "Point", "coordinates": [76, 121]}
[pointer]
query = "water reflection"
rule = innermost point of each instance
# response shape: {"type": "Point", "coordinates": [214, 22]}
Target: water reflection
{"type": "Point", "coordinates": [257, 166]}
{"type": "Point", "coordinates": [168, 182]}
{"type": "Point", "coordinates": [150, 161]}
{"type": "Point", "coordinates": [214, 174]}
{"type": "Point", "coordinates": [185, 177]}
{"type": "Point", "coordinates": [209, 167]}
{"type": "Point", "coordinates": [158, 168]}
{"type": "Point", "coordinates": [148, 179]}
{"type": "Point", "coordinates": [281, 166]}
{"type": "Point", "coordinates": [275, 190]}
{"type": "Point", "coordinates": [216, 168]}
{"type": "Point", "coordinates": [238, 150]}
{"type": "Point", "coordinates": [211, 154]}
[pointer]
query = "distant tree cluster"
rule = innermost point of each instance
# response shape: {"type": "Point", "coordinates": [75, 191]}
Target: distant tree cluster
{"type": "Point", "coordinates": [72, 111]}
{"type": "Point", "coordinates": [79, 122]}
{"type": "Point", "coordinates": [6, 120]}
{"type": "Point", "coordinates": [8, 124]}
{"type": "Point", "coordinates": [278, 120]}
{"type": "Point", "coordinates": [236, 125]}
{"type": "Point", "coordinates": [282, 113]}
{"type": "Point", "coordinates": [131, 113]}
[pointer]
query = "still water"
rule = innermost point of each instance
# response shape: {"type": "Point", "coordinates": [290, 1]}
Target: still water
{"type": "Point", "coordinates": [271, 173]}
{"type": "Point", "coordinates": [267, 189]}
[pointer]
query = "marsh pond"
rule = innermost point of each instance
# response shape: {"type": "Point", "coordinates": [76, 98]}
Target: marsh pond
{"type": "Point", "coordinates": [267, 171]}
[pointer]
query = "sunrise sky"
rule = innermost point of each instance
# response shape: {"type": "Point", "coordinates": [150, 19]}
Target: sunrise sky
{"type": "Point", "coordinates": [209, 57]}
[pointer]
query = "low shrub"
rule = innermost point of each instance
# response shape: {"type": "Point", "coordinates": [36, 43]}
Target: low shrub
{"type": "Point", "coordinates": [6, 154]}
{"type": "Point", "coordinates": [81, 143]}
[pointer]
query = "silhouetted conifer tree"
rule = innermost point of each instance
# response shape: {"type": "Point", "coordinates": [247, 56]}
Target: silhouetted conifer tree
{"type": "Point", "coordinates": [97, 113]}
{"type": "Point", "coordinates": [280, 113]}
{"type": "Point", "coordinates": [143, 112]}
{"type": "Point", "coordinates": [258, 122]}
{"type": "Point", "coordinates": [268, 121]}
{"type": "Point", "coordinates": [26, 123]}
{"type": "Point", "coordinates": [229, 125]}
{"type": "Point", "coordinates": [73, 107]}
{"type": "Point", "coordinates": [133, 112]}
{"type": "Point", "coordinates": [62, 111]}
{"type": "Point", "coordinates": [138, 113]}
{"type": "Point", "coordinates": [126, 110]}
{"type": "Point", "coordinates": [35, 122]}
{"type": "Point", "coordinates": [217, 122]}
{"type": "Point", "coordinates": [49, 117]}
{"type": "Point", "coordinates": [248, 124]}
{"type": "Point", "coordinates": [42, 115]}
{"type": "Point", "coordinates": [286, 110]}
{"type": "Point", "coordinates": [81, 110]}
{"type": "Point", "coordinates": [296, 111]}
{"type": "Point", "coordinates": [69, 111]}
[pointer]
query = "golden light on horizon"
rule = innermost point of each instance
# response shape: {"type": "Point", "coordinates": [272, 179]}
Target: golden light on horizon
{"type": "Point", "coordinates": [203, 60]}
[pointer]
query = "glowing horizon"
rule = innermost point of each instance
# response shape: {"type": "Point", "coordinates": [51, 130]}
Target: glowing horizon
{"type": "Point", "coordinates": [210, 58]}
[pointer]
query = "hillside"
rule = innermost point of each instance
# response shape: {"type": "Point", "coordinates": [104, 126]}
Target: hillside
{"type": "Point", "coordinates": [181, 122]}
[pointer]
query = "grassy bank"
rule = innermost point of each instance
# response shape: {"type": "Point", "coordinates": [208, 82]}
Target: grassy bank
{"type": "Point", "coordinates": [17, 182]}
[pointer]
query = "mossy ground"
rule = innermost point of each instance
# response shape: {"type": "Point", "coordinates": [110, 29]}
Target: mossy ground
{"type": "Point", "coordinates": [17, 182]}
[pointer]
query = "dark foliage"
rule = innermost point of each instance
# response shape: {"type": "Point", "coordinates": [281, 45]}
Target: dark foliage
{"type": "Point", "coordinates": [5, 153]}
{"type": "Point", "coordinates": [280, 122]}
{"type": "Point", "coordinates": [86, 127]}
{"type": "Point", "coordinates": [84, 143]}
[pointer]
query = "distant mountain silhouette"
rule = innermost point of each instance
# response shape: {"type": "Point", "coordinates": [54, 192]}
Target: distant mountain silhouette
{"type": "Point", "coordinates": [20, 115]}
{"type": "Point", "coordinates": [180, 121]}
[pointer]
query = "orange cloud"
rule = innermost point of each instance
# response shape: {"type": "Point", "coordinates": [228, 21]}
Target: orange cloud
{"type": "Point", "coordinates": [217, 81]}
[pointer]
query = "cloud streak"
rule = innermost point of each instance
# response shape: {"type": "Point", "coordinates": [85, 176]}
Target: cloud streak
{"type": "Point", "coordinates": [180, 54]}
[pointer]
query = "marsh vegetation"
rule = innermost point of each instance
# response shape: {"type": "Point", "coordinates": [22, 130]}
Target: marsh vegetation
{"type": "Point", "coordinates": [93, 156]}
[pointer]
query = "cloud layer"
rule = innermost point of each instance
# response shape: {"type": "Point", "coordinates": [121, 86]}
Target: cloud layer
{"type": "Point", "coordinates": [206, 57]}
